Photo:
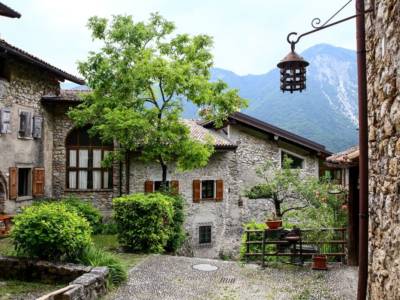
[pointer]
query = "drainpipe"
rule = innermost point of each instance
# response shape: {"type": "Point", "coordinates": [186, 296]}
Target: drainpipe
{"type": "Point", "coordinates": [363, 160]}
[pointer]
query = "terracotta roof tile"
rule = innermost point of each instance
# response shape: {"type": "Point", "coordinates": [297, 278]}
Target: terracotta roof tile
{"type": "Point", "coordinates": [200, 133]}
{"type": "Point", "coordinates": [348, 156]}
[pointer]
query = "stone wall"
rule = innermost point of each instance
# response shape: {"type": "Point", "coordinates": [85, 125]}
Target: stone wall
{"type": "Point", "coordinates": [383, 75]}
{"type": "Point", "coordinates": [61, 126]}
{"type": "Point", "coordinates": [85, 283]}
{"type": "Point", "coordinates": [237, 168]}
{"type": "Point", "coordinates": [23, 89]}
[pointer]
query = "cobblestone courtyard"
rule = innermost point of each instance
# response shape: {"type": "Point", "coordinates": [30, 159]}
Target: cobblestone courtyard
{"type": "Point", "coordinates": [171, 277]}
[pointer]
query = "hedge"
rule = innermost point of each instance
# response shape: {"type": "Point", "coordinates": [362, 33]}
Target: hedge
{"type": "Point", "coordinates": [144, 221]}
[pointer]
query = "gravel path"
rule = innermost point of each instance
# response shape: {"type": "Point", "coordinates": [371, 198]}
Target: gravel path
{"type": "Point", "coordinates": [172, 277]}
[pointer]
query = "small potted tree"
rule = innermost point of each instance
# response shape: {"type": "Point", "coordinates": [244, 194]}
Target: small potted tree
{"type": "Point", "coordinates": [273, 222]}
{"type": "Point", "coordinates": [319, 260]}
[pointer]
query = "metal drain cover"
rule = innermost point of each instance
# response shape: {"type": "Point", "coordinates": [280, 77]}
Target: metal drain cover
{"type": "Point", "coordinates": [205, 267]}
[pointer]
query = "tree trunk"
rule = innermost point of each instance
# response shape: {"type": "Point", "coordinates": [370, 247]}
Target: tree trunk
{"type": "Point", "coordinates": [164, 176]}
{"type": "Point", "coordinates": [277, 205]}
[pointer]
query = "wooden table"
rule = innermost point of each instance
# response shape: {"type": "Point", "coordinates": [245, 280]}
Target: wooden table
{"type": "Point", "coordinates": [6, 220]}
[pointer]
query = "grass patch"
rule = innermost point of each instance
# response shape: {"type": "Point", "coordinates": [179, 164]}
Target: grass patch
{"type": "Point", "coordinates": [109, 243]}
{"type": "Point", "coordinates": [6, 247]}
{"type": "Point", "coordinates": [11, 289]}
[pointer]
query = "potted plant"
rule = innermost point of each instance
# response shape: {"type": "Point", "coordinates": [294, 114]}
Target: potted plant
{"type": "Point", "coordinates": [273, 222]}
{"type": "Point", "coordinates": [319, 260]}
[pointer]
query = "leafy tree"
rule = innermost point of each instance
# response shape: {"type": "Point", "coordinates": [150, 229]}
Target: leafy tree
{"type": "Point", "coordinates": [290, 192]}
{"type": "Point", "coordinates": [139, 79]}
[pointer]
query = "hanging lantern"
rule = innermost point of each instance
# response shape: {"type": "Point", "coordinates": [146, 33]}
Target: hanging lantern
{"type": "Point", "coordinates": [293, 72]}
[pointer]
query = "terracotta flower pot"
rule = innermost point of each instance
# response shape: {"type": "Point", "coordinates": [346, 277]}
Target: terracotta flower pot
{"type": "Point", "coordinates": [274, 224]}
{"type": "Point", "coordinates": [319, 262]}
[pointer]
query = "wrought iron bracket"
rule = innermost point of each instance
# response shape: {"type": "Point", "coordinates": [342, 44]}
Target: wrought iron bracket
{"type": "Point", "coordinates": [293, 39]}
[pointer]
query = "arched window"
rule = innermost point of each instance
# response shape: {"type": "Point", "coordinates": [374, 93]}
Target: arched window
{"type": "Point", "coordinates": [84, 157]}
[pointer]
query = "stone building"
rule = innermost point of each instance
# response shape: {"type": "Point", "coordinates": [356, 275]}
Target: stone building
{"type": "Point", "coordinates": [383, 80]}
{"type": "Point", "coordinates": [43, 155]}
{"type": "Point", "coordinates": [25, 134]}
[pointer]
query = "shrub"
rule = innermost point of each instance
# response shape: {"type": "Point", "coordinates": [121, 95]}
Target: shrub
{"type": "Point", "coordinates": [87, 211]}
{"type": "Point", "coordinates": [50, 231]}
{"type": "Point", "coordinates": [82, 208]}
{"type": "Point", "coordinates": [253, 237]}
{"type": "Point", "coordinates": [96, 257]}
{"type": "Point", "coordinates": [144, 221]}
{"type": "Point", "coordinates": [178, 235]}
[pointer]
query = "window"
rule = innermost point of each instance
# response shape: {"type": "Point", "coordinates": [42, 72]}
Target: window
{"type": "Point", "coordinates": [205, 235]}
{"type": "Point", "coordinates": [296, 161]}
{"type": "Point", "coordinates": [157, 185]}
{"type": "Point", "coordinates": [24, 180]}
{"type": "Point", "coordinates": [25, 124]}
{"type": "Point", "coordinates": [207, 189]}
{"type": "Point", "coordinates": [84, 157]}
{"type": "Point", "coordinates": [5, 120]}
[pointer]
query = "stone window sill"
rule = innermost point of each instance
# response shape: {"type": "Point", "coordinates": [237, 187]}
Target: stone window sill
{"type": "Point", "coordinates": [88, 190]}
{"type": "Point", "coordinates": [24, 198]}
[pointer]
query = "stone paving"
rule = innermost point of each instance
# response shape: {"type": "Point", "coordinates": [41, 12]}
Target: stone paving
{"type": "Point", "coordinates": [172, 277]}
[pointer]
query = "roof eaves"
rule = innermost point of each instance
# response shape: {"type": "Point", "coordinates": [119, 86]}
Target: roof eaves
{"type": "Point", "coordinates": [23, 55]}
{"type": "Point", "coordinates": [8, 12]}
{"type": "Point", "coordinates": [281, 133]}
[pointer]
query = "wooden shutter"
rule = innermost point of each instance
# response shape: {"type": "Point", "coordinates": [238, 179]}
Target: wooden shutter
{"type": "Point", "coordinates": [13, 181]}
{"type": "Point", "coordinates": [38, 182]}
{"type": "Point", "coordinates": [37, 127]}
{"type": "Point", "coordinates": [196, 191]}
{"type": "Point", "coordinates": [5, 120]}
{"type": "Point", "coordinates": [219, 190]}
{"type": "Point", "coordinates": [148, 186]}
{"type": "Point", "coordinates": [175, 187]}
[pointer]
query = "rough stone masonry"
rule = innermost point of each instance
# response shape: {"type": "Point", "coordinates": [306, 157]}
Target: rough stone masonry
{"type": "Point", "coordinates": [383, 77]}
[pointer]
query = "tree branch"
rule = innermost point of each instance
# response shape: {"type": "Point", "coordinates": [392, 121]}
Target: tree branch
{"type": "Point", "coordinates": [293, 208]}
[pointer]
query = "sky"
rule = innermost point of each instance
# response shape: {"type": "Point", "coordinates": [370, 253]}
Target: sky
{"type": "Point", "coordinates": [249, 35]}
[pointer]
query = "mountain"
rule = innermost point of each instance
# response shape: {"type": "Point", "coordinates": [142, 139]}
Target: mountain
{"type": "Point", "coordinates": [326, 112]}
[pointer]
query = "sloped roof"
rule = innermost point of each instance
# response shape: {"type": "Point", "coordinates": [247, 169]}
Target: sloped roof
{"type": "Point", "coordinates": [199, 133]}
{"type": "Point", "coordinates": [66, 96]}
{"type": "Point", "coordinates": [25, 56]}
{"type": "Point", "coordinates": [346, 157]}
{"type": "Point", "coordinates": [276, 131]}
{"type": "Point", "coordinates": [8, 12]}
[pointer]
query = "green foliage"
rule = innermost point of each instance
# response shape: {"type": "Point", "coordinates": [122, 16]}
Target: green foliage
{"type": "Point", "coordinates": [177, 236]}
{"type": "Point", "coordinates": [82, 208]}
{"type": "Point", "coordinates": [96, 257]}
{"type": "Point", "coordinates": [109, 227]}
{"type": "Point", "coordinates": [139, 79]}
{"type": "Point", "coordinates": [144, 221]}
{"type": "Point", "coordinates": [282, 186]}
{"type": "Point", "coordinates": [253, 225]}
{"type": "Point", "coordinates": [87, 211]}
{"type": "Point", "coordinates": [50, 231]}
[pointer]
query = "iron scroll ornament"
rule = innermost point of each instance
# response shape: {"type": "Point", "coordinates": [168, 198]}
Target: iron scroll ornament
{"type": "Point", "coordinates": [293, 39]}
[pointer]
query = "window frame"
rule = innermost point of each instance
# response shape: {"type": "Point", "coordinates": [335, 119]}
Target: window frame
{"type": "Point", "coordinates": [159, 183]}
{"type": "Point", "coordinates": [27, 133]}
{"type": "Point", "coordinates": [207, 234]}
{"type": "Point", "coordinates": [89, 169]}
{"type": "Point", "coordinates": [284, 151]}
{"type": "Point", "coordinates": [28, 181]}
{"type": "Point", "coordinates": [214, 189]}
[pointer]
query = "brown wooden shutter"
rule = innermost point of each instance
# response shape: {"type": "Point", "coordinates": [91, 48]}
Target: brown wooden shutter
{"type": "Point", "coordinates": [38, 182]}
{"type": "Point", "coordinates": [148, 186]}
{"type": "Point", "coordinates": [219, 190]}
{"type": "Point", "coordinates": [13, 181]}
{"type": "Point", "coordinates": [175, 187]}
{"type": "Point", "coordinates": [196, 191]}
